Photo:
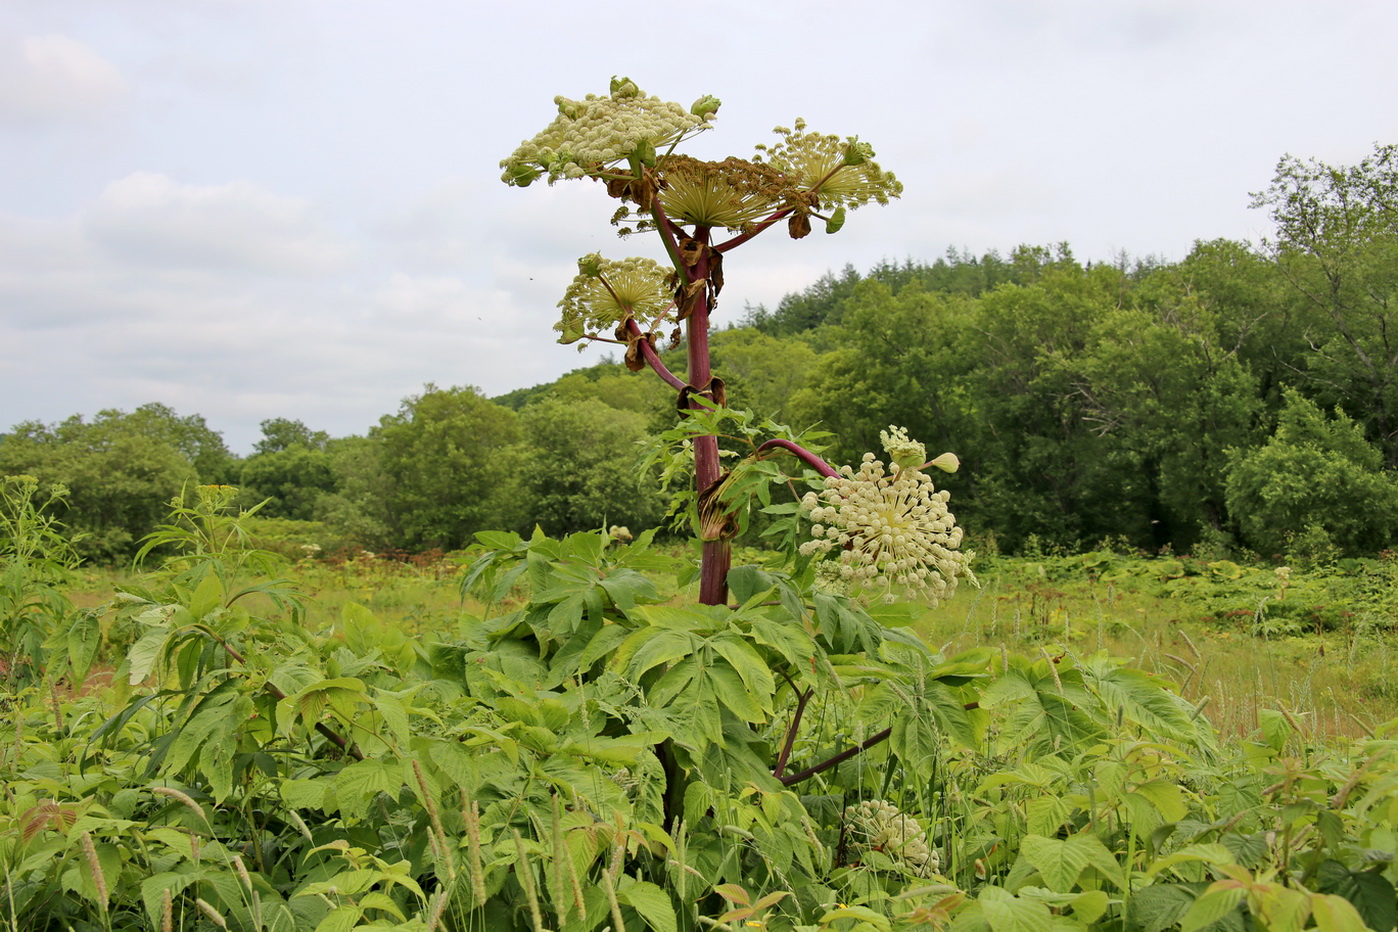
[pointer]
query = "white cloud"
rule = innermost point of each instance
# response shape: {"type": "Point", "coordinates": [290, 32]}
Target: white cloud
{"type": "Point", "coordinates": [53, 77]}
{"type": "Point", "coordinates": [153, 220]}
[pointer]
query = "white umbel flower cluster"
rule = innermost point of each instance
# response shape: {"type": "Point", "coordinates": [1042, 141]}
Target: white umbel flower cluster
{"type": "Point", "coordinates": [608, 292]}
{"type": "Point", "coordinates": [839, 171]}
{"type": "Point", "coordinates": [597, 131]}
{"type": "Point", "coordinates": [889, 530]}
{"type": "Point", "coordinates": [877, 824]}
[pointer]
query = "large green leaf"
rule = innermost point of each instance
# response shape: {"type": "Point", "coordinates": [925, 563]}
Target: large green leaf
{"type": "Point", "coordinates": [1219, 900]}
{"type": "Point", "coordinates": [649, 647]}
{"type": "Point", "coordinates": [731, 691]}
{"type": "Point", "coordinates": [749, 582]}
{"type": "Point", "coordinates": [674, 681]}
{"type": "Point", "coordinates": [1166, 797]}
{"type": "Point", "coordinates": [1369, 890]}
{"type": "Point", "coordinates": [1337, 914]}
{"type": "Point", "coordinates": [1007, 913]}
{"type": "Point", "coordinates": [1159, 907]}
{"type": "Point", "coordinates": [651, 902]}
{"type": "Point", "coordinates": [788, 639]}
{"type": "Point", "coordinates": [1144, 700]}
{"type": "Point", "coordinates": [1060, 861]}
{"type": "Point", "coordinates": [144, 654]}
{"type": "Point", "coordinates": [757, 677]}
{"type": "Point", "coordinates": [629, 588]}
{"type": "Point", "coordinates": [207, 597]}
{"type": "Point", "coordinates": [83, 640]}
{"type": "Point", "coordinates": [358, 783]}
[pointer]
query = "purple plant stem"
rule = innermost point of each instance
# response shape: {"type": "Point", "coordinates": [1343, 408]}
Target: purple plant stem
{"type": "Point", "coordinates": [757, 228]}
{"type": "Point", "coordinates": [837, 759]}
{"type": "Point", "coordinates": [801, 700]}
{"type": "Point", "coordinates": [716, 555]}
{"type": "Point", "coordinates": [801, 453]}
{"type": "Point", "coordinates": [652, 358]}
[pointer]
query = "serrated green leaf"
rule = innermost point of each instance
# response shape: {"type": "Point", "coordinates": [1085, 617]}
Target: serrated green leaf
{"type": "Point", "coordinates": [358, 783]}
{"type": "Point", "coordinates": [83, 640]}
{"type": "Point", "coordinates": [748, 583]}
{"type": "Point", "coordinates": [1166, 797]}
{"type": "Point", "coordinates": [788, 639]}
{"type": "Point", "coordinates": [1213, 904]}
{"type": "Point", "coordinates": [674, 681]}
{"type": "Point", "coordinates": [650, 647]}
{"type": "Point", "coordinates": [1046, 814]}
{"type": "Point", "coordinates": [1249, 850]}
{"type": "Point", "coordinates": [1060, 861]}
{"type": "Point", "coordinates": [340, 919]}
{"type": "Point", "coordinates": [604, 642]}
{"type": "Point", "coordinates": [1276, 730]}
{"type": "Point", "coordinates": [731, 691]}
{"type": "Point", "coordinates": [868, 918]}
{"type": "Point", "coordinates": [1007, 913]}
{"type": "Point", "coordinates": [749, 665]}
{"type": "Point", "coordinates": [382, 901]}
{"type": "Point", "coordinates": [1369, 891]}
{"type": "Point", "coordinates": [305, 792]}
{"type": "Point", "coordinates": [1336, 914]}
{"type": "Point", "coordinates": [651, 902]}
{"type": "Point", "coordinates": [1159, 907]}
{"type": "Point", "coordinates": [1207, 853]}
{"type": "Point", "coordinates": [154, 887]}
{"type": "Point", "coordinates": [144, 654]}
{"type": "Point", "coordinates": [208, 596]}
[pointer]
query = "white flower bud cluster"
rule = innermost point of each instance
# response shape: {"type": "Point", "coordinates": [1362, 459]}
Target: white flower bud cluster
{"type": "Point", "coordinates": [878, 824]}
{"type": "Point", "coordinates": [902, 452]}
{"type": "Point", "coordinates": [812, 157]}
{"type": "Point", "coordinates": [608, 292]}
{"type": "Point", "coordinates": [597, 131]}
{"type": "Point", "coordinates": [888, 530]}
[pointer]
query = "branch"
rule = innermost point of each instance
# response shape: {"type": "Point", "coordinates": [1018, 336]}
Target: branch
{"type": "Point", "coordinates": [757, 228]}
{"type": "Point", "coordinates": [652, 358]}
{"type": "Point", "coordinates": [795, 449]}
{"type": "Point", "coordinates": [667, 229]}
{"type": "Point", "coordinates": [801, 700]}
{"type": "Point", "coordinates": [837, 759]}
{"type": "Point", "coordinates": [339, 740]}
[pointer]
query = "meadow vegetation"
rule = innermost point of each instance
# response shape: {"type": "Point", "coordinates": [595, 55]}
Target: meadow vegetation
{"type": "Point", "coordinates": [469, 672]}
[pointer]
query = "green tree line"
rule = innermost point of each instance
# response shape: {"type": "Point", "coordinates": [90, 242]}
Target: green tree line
{"type": "Point", "coordinates": [1242, 398]}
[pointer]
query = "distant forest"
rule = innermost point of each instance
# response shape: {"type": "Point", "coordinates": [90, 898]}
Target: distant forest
{"type": "Point", "coordinates": [1241, 401]}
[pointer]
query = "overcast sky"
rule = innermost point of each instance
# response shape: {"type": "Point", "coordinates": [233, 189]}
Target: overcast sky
{"type": "Point", "coordinates": [248, 209]}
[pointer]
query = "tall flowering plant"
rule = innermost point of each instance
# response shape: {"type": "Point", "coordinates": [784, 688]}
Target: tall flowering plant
{"type": "Point", "coordinates": [877, 527]}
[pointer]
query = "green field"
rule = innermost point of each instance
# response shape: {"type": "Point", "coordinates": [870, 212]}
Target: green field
{"type": "Point", "coordinates": [231, 739]}
{"type": "Point", "coordinates": [1323, 651]}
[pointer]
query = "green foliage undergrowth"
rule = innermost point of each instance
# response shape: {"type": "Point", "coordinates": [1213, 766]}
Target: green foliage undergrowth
{"type": "Point", "coordinates": [589, 755]}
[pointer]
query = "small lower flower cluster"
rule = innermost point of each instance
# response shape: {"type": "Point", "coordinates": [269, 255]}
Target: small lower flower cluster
{"type": "Point", "coordinates": [609, 292]}
{"type": "Point", "coordinates": [888, 529]}
{"type": "Point", "coordinates": [877, 824]}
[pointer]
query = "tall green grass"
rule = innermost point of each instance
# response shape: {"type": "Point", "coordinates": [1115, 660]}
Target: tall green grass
{"type": "Point", "coordinates": [1334, 683]}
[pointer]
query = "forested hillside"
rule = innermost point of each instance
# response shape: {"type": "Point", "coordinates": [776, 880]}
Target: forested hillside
{"type": "Point", "coordinates": [1242, 399]}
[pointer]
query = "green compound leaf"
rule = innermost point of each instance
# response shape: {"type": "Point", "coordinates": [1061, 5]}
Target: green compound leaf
{"type": "Point", "coordinates": [651, 902]}
{"type": "Point", "coordinates": [1007, 913]}
{"type": "Point", "coordinates": [1220, 900]}
{"type": "Point", "coordinates": [1060, 861]}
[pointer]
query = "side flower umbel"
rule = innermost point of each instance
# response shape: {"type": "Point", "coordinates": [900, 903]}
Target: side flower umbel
{"type": "Point", "coordinates": [878, 825]}
{"type": "Point", "coordinates": [890, 530]}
